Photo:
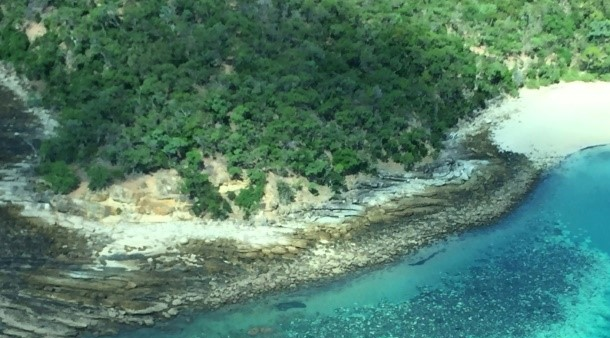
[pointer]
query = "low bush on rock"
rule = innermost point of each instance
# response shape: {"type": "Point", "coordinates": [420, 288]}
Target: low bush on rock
{"type": "Point", "coordinates": [101, 176]}
{"type": "Point", "coordinates": [61, 177]}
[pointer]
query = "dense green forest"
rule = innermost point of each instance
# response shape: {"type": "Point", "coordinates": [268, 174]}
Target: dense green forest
{"type": "Point", "coordinates": [318, 88]}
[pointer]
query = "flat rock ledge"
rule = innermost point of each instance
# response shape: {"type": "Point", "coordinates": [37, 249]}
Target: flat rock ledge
{"type": "Point", "coordinates": [89, 280]}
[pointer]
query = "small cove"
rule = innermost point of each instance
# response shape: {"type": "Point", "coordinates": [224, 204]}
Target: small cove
{"type": "Point", "coordinates": [542, 271]}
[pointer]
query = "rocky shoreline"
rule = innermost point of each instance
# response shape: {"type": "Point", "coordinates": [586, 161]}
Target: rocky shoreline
{"type": "Point", "coordinates": [64, 272]}
{"type": "Point", "coordinates": [207, 275]}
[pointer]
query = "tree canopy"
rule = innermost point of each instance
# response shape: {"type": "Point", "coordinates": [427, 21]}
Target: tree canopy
{"type": "Point", "coordinates": [318, 88]}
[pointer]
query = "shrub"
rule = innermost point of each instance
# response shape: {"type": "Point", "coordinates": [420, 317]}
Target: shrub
{"type": "Point", "coordinates": [61, 178]}
{"type": "Point", "coordinates": [205, 197]}
{"type": "Point", "coordinates": [285, 192]}
{"type": "Point", "coordinates": [100, 176]}
{"type": "Point", "coordinates": [347, 162]}
{"type": "Point", "coordinates": [234, 172]}
{"type": "Point", "coordinates": [249, 198]}
{"type": "Point", "coordinates": [14, 42]}
{"type": "Point", "coordinates": [203, 194]}
{"type": "Point", "coordinates": [313, 189]}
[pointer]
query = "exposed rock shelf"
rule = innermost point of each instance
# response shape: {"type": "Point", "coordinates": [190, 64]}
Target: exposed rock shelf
{"type": "Point", "coordinates": [102, 273]}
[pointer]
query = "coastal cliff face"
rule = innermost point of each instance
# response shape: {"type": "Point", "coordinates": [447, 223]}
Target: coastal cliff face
{"type": "Point", "coordinates": [75, 263]}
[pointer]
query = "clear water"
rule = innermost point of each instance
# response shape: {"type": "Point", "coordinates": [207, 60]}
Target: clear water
{"type": "Point", "coordinates": [543, 271]}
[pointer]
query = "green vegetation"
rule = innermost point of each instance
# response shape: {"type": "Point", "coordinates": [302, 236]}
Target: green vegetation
{"type": "Point", "coordinates": [318, 88]}
{"type": "Point", "coordinates": [205, 197]}
{"type": "Point", "coordinates": [101, 176]}
{"type": "Point", "coordinates": [61, 178]}
{"type": "Point", "coordinates": [285, 192]}
{"type": "Point", "coordinates": [248, 199]}
{"type": "Point", "coordinates": [14, 44]}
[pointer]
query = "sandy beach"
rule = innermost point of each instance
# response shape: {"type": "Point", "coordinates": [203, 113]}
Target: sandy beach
{"type": "Point", "coordinates": [549, 123]}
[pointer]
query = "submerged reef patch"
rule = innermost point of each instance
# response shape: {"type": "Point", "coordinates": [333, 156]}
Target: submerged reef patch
{"type": "Point", "coordinates": [520, 290]}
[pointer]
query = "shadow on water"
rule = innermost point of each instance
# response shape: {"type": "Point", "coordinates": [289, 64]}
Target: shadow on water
{"type": "Point", "coordinates": [27, 247]}
{"type": "Point", "coordinates": [21, 248]}
{"type": "Point", "coordinates": [13, 124]}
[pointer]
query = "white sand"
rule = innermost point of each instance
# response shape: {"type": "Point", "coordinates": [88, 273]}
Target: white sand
{"type": "Point", "coordinates": [549, 123]}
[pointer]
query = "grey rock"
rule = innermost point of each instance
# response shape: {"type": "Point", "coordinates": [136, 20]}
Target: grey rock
{"type": "Point", "coordinates": [154, 308]}
{"type": "Point", "coordinates": [63, 204]}
{"type": "Point", "coordinates": [120, 194]}
{"type": "Point", "coordinates": [98, 196]}
{"type": "Point", "coordinates": [94, 211]}
{"type": "Point", "coordinates": [86, 209]}
{"type": "Point", "coordinates": [43, 197]}
{"type": "Point", "coordinates": [167, 186]}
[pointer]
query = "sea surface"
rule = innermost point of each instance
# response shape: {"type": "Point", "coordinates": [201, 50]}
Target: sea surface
{"type": "Point", "coordinates": [542, 271]}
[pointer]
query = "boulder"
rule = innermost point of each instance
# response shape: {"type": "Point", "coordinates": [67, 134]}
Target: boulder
{"type": "Point", "coordinates": [120, 194]}
{"type": "Point", "coordinates": [183, 215]}
{"type": "Point", "coordinates": [249, 255]}
{"type": "Point", "coordinates": [156, 207]}
{"type": "Point", "coordinates": [43, 197]}
{"type": "Point", "coordinates": [62, 203]}
{"type": "Point", "coordinates": [95, 211]}
{"type": "Point", "coordinates": [143, 308]}
{"type": "Point", "coordinates": [167, 185]}
{"type": "Point", "coordinates": [300, 243]}
{"type": "Point", "coordinates": [291, 249]}
{"type": "Point", "coordinates": [97, 196]}
{"type": "Point", "coordinates": [89, 210]}
{"type": "Point", "coordinates": [278, 250]}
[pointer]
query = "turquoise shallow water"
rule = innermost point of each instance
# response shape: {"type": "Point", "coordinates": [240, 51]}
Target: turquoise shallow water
{"type": "Point", "coordinates": [543, 271]}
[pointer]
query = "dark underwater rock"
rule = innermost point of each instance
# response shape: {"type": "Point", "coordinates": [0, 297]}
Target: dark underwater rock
{"type": "Point", "coordinates": [424, 260]}
{"type": "Point", "coordinates": [284, 306]}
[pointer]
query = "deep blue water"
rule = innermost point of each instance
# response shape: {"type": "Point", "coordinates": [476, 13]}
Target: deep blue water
{"type": "Point", "coordinates": [542, 271]}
